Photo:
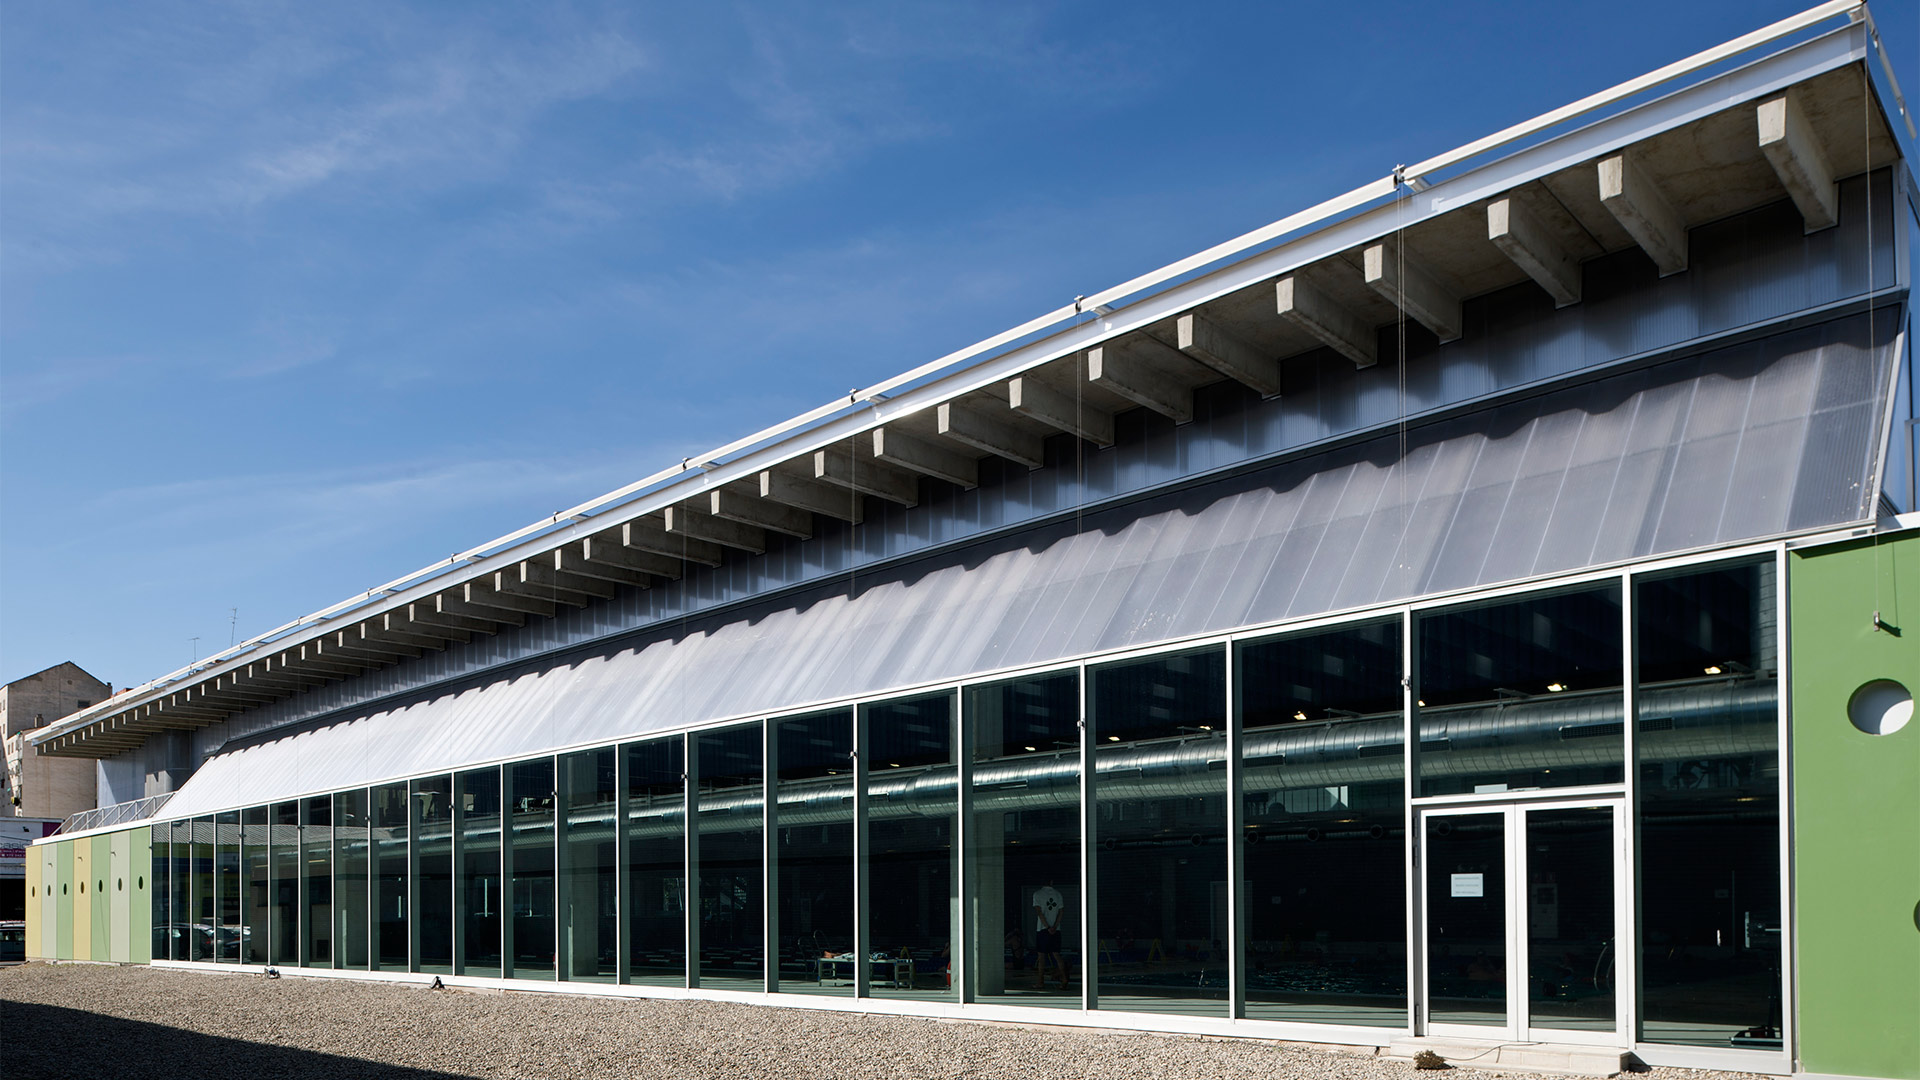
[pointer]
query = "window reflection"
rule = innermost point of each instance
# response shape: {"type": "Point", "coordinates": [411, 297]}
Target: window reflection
{"type": "Point", "coordinates": [911, 799]}
{"type": "Point", "coordinates": [1023, 842]}
{"type": "Point", "coordinates": [813, 853]}
{"type": "Point", "coordinates": [224, 937]}
{"type": "Point", "coordinates": [1522, 693]}
{"type": "Point", "coordinates": [589, 928]}
{"type": "Point", "coordinates": [255, 890]}
{"type": "Point", "coordinates": [432, 905]}
{"type": "Point", "coordinates": [529, 932]}
{"type": "Point", "coordinates": [350, 879]}
{"type": "Point", "coordinates": [389, 835]}
{"type": "Point", "coordinates": [284, 840]}
{"type": "Point", "coordinates": [1324, 826]}
{"type": "Point", "coordinates": [656, 863]}
{"type": "Point", "coordinates": [316, 860]}
{"type": "Point", "coordinates": [477, 818]}
{"type": "Point", "coordinates": [1709, 792]}
{"type": "Point", "coordinates": [727, 859]}
{"type": "Point", "coordinates": [1160, 758]}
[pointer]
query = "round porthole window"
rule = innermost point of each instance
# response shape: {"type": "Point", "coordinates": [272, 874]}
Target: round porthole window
{"type": "Point", "coordinates": [1880, 707]}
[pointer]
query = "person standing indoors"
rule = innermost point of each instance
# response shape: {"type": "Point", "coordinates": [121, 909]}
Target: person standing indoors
{"type": "Point", "coordinates": [1049, 910]}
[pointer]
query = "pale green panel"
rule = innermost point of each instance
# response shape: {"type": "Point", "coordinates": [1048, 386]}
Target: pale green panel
{"type": "Point", "coordinates": [34, 917]}
{"type": "Point", "coordinates": [1856, 810]}
{"type": "Point", "coordinates": [120, 892]}
{"type": "Point", "coordinates": [49, 857]}
{"type": "Point", "coordinates": [83, 894]}
{"type": "Point", "coordinates": [101, 893]}
{"type": "Point", "coordinates": [140, 895]}
{"type": "Point", "coordinates": [67, 899]}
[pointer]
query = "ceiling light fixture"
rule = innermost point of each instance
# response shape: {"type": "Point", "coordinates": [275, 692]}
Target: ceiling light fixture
{"type": "Point", "coordinates": [1555, 687]}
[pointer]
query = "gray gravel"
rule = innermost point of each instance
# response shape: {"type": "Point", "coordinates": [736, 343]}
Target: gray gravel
{"type": "Point", "coordinates": [133, 1023]}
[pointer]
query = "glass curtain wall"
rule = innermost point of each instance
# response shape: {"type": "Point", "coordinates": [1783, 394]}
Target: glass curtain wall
{"type": "Point", "coordinates": [350, 879]}
{"type": "Point", "coordinates": [726, 855]}
{"type": "Point", "coordinates": [811, 859]}
{"type": "Point", "coordinates": [226, 886]}
{"type": "Point", "coordinates": [316, 871]}
{"type": "Point", "coordinates": [160, 839]}
{"type": "Point", "coordinates": [1159, 729]}
{"type": "Point", "coordinates": [529, 944]}
{"type": "Point", "coordinates": [432, 876]}
{"type": "Point", "coordinates": [911, 906]}
{"type": "Point", "coordinates": [1522, 693]}
{"type": "Point", "coordinates": [656, 896]}
{"type": "Point", "coordinates": [181, 917]}
{"type": "Point", "coordinates": [284, 916]}
{"type": "Point", "coordinates": [1707, 744]}
{"type": "Point", "coordinates": [389, 873]}
{"type": "Point", "coordinates": [256, 886]}
{"type": "Point", "coordinates": [1023, 841]}
{"type": "Point", "coordinates": [1323, 826]}
{"type": "Point", "coordinates": [477, 818]}
{"type": "Point", "coordinates": [589, 867]}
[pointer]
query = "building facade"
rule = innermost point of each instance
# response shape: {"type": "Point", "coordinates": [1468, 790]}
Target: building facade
{"type": "Point", "coordinates": [1473, 608]}
{"type": "Point", "coordinates": [38, 786]}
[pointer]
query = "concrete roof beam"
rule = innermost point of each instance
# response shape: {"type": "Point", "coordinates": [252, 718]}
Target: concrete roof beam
{"type": "Point", "coordinates": [1204, 340]}
{"type": "Point", "coordinates": [608, 552]}
{"type": "Point", "coordinates": [540, 580]}
{"type": "Point", "coordinates": [1635, 200]}
{"type": "Point", "coordinates": [1798, 159]}
{"type": "Point", "coordinates": [927, 457]}
{"type": "Point", "coordinates": [1408, 285]}
{"type": "Point", "coordinates": [482, 596]}
{"type": "Point", "coordinates": [744, 506]}
{"type": "Point", "coordinates": [715, 530]}
{"type": "Point", "coordinates": [1521, 238]}
{"type": "Point", "coordinates": [805, 493]}
{"type": "Point", "coordinates": [650, 534]}
{"type": "Point", "coordinates": [1302, 303]}
{"type": "Point", "coordinates": [838, 466]}
{"type": "Point", "coordinates": [1138, 372]}
{"type": "Point", "coordinates": [1037, 400]}
{"type": "Point", "coordinates": [991, 434]}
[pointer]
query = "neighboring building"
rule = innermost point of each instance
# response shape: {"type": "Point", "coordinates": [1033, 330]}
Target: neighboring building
{"type": "Point", "coordinates": [39, 786]}
{"type": "Point", "coordinates": [1483, 607]}
{"type": "Point", "coordinates": [15, 834]}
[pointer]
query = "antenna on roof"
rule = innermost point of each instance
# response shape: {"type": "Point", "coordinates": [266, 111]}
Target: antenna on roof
{"type": "Point", "coordinates": [233, 624]}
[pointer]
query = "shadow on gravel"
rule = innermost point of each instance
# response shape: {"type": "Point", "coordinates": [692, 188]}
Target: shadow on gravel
{"type": "Point", "coordinates": [44, 1042]}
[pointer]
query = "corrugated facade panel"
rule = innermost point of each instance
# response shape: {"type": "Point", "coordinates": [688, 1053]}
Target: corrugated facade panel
{"type": "Point", "coordinates": [1628, 466]}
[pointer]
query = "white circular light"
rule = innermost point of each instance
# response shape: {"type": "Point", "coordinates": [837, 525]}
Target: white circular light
{"type": "Point", "coordinates": [1880, 707]}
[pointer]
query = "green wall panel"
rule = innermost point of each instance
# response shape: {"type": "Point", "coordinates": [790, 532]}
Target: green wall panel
{"type": "Point", "coordinates": [100, 892]}
{"type": "Point", "coordinates": [1856, 805]}
{"type": "Point", "coordinates": [120, 891]}
{"type": "Point", "coordinates": [140, 892]}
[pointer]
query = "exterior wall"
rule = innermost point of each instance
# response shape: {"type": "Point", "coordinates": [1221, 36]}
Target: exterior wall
{"type": "Point", "coordinates": [46, 787]}
{"type": "Point", "coordinates": [119, 880]}
{"type": "Point", "coordinates": [112, 920]}
{"type": "Point", "coordinates": [35, 921]}
{"type": "Point", "coordinates": [82, 893]}
{"type": "Point", "coordinates": [1856, 810]}
{"type": "Point", "coordinates": [65, 901]}
{"type": "Point", "coordinates": [47, 934]}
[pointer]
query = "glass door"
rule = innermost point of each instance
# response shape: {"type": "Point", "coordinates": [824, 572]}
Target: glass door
{"type": "Point", "coordinates": [1523, 916]}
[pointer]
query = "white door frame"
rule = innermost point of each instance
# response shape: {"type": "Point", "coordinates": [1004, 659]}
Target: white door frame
{"type": "Point", "coordinates": [1513, 814]}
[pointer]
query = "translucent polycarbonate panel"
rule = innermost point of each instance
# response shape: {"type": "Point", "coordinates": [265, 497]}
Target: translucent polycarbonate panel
{"type": "Point", "coordinates": [285, 913]}
{"type": "Point", "coordinates": [728, 864]}
{"type": "Point", "coordinates": [811, 863]}
{"type": "Point", "coordinates": [481, 898]}
{"type": "Point", "coordinates": [1159, 729]}
{"type": "Point", "coordinates": [316, 870]}
{"type": "Point", "coordinates": [390, 874]}
{"type": "Point", "coordinates": [529, 943]}
{"type": "Point", "coordinates": [912, 904]}
{"type": "Point", "coordinates": [351, 888]}
{"type": "Point", "coordinates": [1323, 825]}
{"type": "Point", "coordinates": [1522, 693]}
{"type": "Point", "coordinates": [256, 889]}
{"type": "Point", "coordinates": [655, 904]}
{"type": "Point", "coordinates": [431, 905]}
{"type": "Point", "coordinates": [1710, 801]}
{"type": "Point", "coordinates": [589, 867]}
{"type": "Point", "coordinates": [1023, 841]}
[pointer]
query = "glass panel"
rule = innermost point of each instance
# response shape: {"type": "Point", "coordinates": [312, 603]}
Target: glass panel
{"type": "Point", "coordinates": [316, 868]}
{"type": "Point", "coordinates": [256, 892]}
{"type": "Point", "coordinates": [180, 880]}
{"type": "Point", "coordinates": [350, 879]}
{"type": "Point", "coordinates": [1708, 747]}
{"type": "Point", "coordinates": [1023, 841]}
{"type": "Point", "coordinates": [1522, 694]}
{"type": "Point", "coordinates": [1466, 856]}
{"type": "Point", "coordinates": [813, 869]}
{"type": "Point", "coordinates": [390, 876]}
{"type": "Point", "coordinates": [285, 916]}
{"type": "Point", "coordinates": [589, 883]}
{"type": "Point", "coordinates": [912, 800]}
{"type": "Point", "coordinates": [529, 944]}
{"type": "Point", "coordinates": [480, 897]}
{"type": "Point", "coordinates": [656, 900]}
{"type": "Point", "coordinates": [727, 857]}
{"type": "Point", "coordinates": [1324, 805]}
{"type": "Point", "coordinates": [1160, 783]}
{"type": "Point", "coordinates": [226, 886]}
{"type": "Point", "coordinates": [432, 799]}
{"type": "Point", "coordinates": [161, 918]}
{"type": "Point", "coordinates": [1570, 919]}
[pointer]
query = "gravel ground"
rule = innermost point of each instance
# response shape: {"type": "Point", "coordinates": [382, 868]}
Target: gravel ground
{"type": "Point", "coordinates": [90, 1020]}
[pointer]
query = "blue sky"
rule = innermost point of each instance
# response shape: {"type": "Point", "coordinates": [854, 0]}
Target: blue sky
{"type": "Point", "coordinates": [297, 298]}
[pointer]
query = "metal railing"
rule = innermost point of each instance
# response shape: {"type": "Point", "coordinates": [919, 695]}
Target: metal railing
{"type": "Point", "coordinates": [117, 814]}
